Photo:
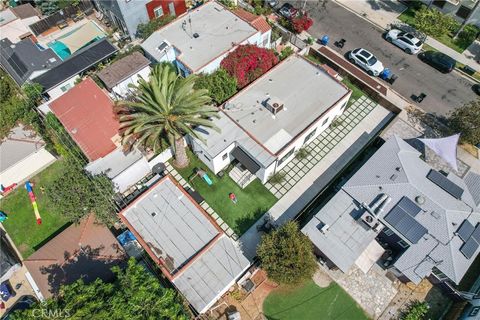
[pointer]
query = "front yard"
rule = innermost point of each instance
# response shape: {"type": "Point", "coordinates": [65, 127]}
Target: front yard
{"type": "Point", "coordinates": [253, 201]}
{"type": "Point", "coordinates": [309, 301]}
{"type": "Point", "coordinates": [21, 224]}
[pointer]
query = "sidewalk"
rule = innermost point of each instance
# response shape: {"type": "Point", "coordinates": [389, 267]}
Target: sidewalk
{"type": "Point", "coordinates": [382, 13]}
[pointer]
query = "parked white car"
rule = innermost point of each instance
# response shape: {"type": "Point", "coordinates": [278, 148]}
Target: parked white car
{"type": "Point", "coordinates": [407, 41]}
{"type": "Point", "coordinates": [365, 60]}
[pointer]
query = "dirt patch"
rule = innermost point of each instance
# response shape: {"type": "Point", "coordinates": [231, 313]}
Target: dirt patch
{"type": "Point", "coordinates": [321, 279]}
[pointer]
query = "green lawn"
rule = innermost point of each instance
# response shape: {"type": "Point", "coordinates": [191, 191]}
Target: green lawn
{"type": "Point", "coordinates": [21, 224]}
{"type": "Point", "coordinates": [309, 301]}
{"type": "Point", "coordinates": [253, 201]}
{"type": "Point", "coordinates": [356, 91]}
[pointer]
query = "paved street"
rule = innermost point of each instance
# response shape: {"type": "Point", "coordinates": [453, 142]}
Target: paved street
{"type": "Point", "coordinates": [444, 91]}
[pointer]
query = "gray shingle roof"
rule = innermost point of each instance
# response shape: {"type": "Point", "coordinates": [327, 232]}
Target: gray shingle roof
{"type": "Point", "coordinates": [122, 69]}
{"type": "Point", "coordinates": [397, 170]}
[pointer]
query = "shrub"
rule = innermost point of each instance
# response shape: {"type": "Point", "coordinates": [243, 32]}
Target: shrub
{"type": "Point", "coordinates": [416, 310]}
{"type": "Point", "coordinates": [467, 35]}
{"type": "Point", "coordinates": [248, 62]}
{"type": "Point", "coordinates": [433, 22]}
{"type": "Point", "coordinates": [277, 177]}
{"type": "Point", "coordinates": [466, 120]}
{"type": "Point", "coordinates": [302, 154]}
{"type": "Point", "coordinates": [285, 53]}
{"type": "Point", "coordinates": [220, 85]}
{"type": "Point", "coordinates": [144, 30]}
{"type": "Point", "coordinates": [301, 23]}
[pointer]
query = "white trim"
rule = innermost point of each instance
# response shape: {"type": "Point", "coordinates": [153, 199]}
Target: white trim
{"type": "Point", "coordinates": [35, 288]}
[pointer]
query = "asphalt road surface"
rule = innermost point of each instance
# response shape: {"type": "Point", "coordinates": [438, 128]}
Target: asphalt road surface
{"type": "Point", "coordinates": [445, 92]}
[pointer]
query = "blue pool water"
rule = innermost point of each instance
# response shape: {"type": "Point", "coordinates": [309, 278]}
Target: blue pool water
{"type": "Point", "coordinates": [60, 49]}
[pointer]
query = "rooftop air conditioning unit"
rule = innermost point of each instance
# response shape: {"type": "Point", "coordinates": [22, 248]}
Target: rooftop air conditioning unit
{"type": "Point", "coordinates": [273, 106]}
{"type": "Point", "coordinates": [369, 219]}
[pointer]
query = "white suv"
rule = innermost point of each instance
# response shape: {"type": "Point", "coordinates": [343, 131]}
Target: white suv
{"type": "Point", "coordinates": [366, 60]}
{"type": "Point", "coordinates": [407, 41]}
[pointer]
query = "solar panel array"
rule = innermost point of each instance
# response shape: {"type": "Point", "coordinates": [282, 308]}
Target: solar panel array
{"type": "Point", "coordinates": [444, 183]}
{"type": "Point", "coordinates": [471, 236]}
{"type": "Point", "coordinates": [17, 65]}
{"type": "Point", "coordinates": [401, 218]}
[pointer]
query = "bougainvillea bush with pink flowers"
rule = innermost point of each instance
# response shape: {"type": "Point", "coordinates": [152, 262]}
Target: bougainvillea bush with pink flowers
{"type": "Point", "coordinates": [248, 62]}
{"type": "Point", "coordinates": [301, 23]}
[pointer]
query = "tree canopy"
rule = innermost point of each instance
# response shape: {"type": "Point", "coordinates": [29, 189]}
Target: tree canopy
{"type": "Point", "coordinates": [466, 121]}
{"type": "Point", "coordinates": [166, 106]}
{"type": "Point", "coordinates": [416, 310]}
{"type": "Point", "coordinates": [145, 30]}
{"type": "Point", "coordinates": [248, 62]}
{"type": "Point", "coordinates": [134, 295]}
{"type": "Point", "coordinates": [286, 254]}
{"type": "Point", "coordinates": [433, 22]}
{"type": "Point", "coordinates": [220, 85]}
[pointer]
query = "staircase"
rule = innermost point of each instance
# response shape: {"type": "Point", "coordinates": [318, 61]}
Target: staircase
{"type": "Point", "coordinates": [241, 176]}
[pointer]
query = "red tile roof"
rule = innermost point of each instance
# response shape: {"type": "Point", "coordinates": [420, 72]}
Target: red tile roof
{"type": "Point", "coordinates": [258, 22]}
{"type": "Point", "coordinates": [86, 112]}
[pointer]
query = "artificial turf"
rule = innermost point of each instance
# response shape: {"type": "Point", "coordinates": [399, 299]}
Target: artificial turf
{"type": "Point", "coordinates": [21, 224]}
{"type": "Point", "coordinates": [253, 201]}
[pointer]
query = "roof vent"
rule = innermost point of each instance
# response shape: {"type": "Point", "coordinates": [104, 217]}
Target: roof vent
{"type": "Point", "coordinates": [420, 200]}
{"type": "Point", "coordinates": [196, 35]}
{"type": "Point", "coordinates": [153, 214]}
{"type": "Point", "coordinates": [398, 169]}
{"type": "Point", "coordinates": [393, 177]}
{"type": "Point", "coordinates": [435, 215]}
{"type": "Point", "coordinates": [74, 130]}
{"type": "Point", "coordinates": [323, 227]}
{"type": "Point", "coordinates": [273, 106]}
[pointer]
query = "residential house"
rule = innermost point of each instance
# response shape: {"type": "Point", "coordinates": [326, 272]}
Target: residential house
{"type": "Point", "coordinates": [86, 251]}
{"type": "Point", "coordinates": [118, 76]}
{"type": "Point", "coordinates": [14, 22]}
{"type": "Point", "coordinates": [61, 78]}
{"type": "Point", "coordinates": [198, 41]}
{"type": "Point", "coordinates": [86, 112]}
{"type": "Point", "coordinates": [24, 60]}
{"type": "Point", "coordinates": [127, 15]}
{"type": "Point", "coordinates": [10, 262]}
{"type": "Point", "coordinates": [189, 247]}
{"type": "Point", "coordinates": [266, 123]}
{"type": "Point", "coordinates": [22, 155]}
{"type": "Point", "coordinates": [416, 221]}
{"type": "Point", "coordinates": [458, 9]}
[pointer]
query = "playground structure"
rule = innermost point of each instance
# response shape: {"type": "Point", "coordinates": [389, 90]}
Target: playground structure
{"type": "Point", "coordinates": [6, 190]}
{"type": "Point", "coordinates": [29, 188]}
{"type": "Point", "coordinates": [201, 173]}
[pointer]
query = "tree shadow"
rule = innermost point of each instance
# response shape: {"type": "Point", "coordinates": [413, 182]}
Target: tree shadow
{"type": "Point", "coordinates": [245, 222]}
{"type": "Point", "coordinates": [86, 263]}
{"type": "Point", "coordinates": [389, 6]}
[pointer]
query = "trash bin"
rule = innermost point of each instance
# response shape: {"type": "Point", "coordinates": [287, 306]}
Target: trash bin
{"type": "Point", "coordinates": [324, 40]}
{"type": "Point", "coordinates": [468, 70]}
{"type": "Point", "coordinates": [385, 74]}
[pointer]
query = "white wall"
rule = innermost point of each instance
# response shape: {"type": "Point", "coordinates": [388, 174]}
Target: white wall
{"type": "Point", "coordinates": [215, 64]}
{"type": "Point", "coordinates": [122, 88]}
{"type": "Point", "coordinates": [56, 92]}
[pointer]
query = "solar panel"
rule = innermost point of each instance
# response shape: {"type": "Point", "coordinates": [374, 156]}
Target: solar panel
{"type": "Point", "coordinates": [404, 223]}
{"type": "Point", "coordinates": [409, 206]}
{"type": "Point", "coordinates": [469, 248]}
{"type": "Point", "coordinates": [444, 183]}
{"type": "Point", "coordinates": [19, 67]}
{"type": "Point", "coordinates": [465, 230]}
{"type": "Point", "coordinates": [476, 233]}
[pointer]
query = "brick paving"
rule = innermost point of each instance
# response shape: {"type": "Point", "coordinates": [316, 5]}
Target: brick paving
{"type": "Point", "coordinates": [296, 169]}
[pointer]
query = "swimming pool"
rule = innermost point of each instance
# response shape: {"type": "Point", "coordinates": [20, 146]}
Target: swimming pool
{"type": "Point", "coordinates": [60, 49]}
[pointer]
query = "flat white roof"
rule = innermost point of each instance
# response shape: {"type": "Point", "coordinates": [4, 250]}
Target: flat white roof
{"type": "Point", "coordinates": [218, 29]}
{"type": "Point", "coordinates": [305, 90]}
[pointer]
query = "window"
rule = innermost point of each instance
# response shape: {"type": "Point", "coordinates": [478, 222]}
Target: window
{"type": "Point", "coordinates": [65, 87]}
{"type": "Point", "coordinates": [309, 136]}
{"type": "Point", "coordinates": [158, 12]}
{"type": "Point", "coordinates": [224, 157]}
{"type": "Point", "coordinates": [344, 105]}
{"type": "Point", "coordinates": [285, 157]}
{"type": "Point", "coordinates": [388, 232]}
{"type": "Point", "coordinates": [463, 12]}
{"type": "Point", "coordinates": [439, 3]}
{"type": "Point", "coordinates": [207, 157]}
{"type": "Point", "coordinates": [403, 244]}
{"type": "Point", "coordinates": [324, 122]}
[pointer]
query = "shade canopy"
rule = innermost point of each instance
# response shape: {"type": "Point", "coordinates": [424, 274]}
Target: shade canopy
{"type": "Point", "coordinates": [446, 148]}
{"type": "Point", "coordinates": [245, 160]}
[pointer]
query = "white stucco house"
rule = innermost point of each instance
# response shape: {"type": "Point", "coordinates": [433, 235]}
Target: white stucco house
{"type": "Point", "coordinates": [265, 124]}
{"type": "Point", "coordinates": [197, 41]}
{"type": "Point", "coordinates": [118, 76]}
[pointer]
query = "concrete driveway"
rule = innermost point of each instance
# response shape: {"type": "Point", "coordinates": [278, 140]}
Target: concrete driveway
{"type": "Point", "coordinates": [444, 92]}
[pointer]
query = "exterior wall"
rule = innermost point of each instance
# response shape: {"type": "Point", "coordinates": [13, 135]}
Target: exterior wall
{"type": "Point", "coordinates": [179, 5]}
{"type": "Point", "coordinates": [56, 92]}
{"type": "Point", "coordinates": [122, 88]}
{"type": "Point", "coordinates": [451, 9]}
{"type": "Point", "coordinates": [265, 173]}
{"type": "Point", "coordinates": [266, 40]}
{"type": "Point", "coordinates": [215, 64]}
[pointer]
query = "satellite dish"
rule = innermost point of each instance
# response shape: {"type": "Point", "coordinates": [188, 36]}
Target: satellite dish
{"type": "Point", "coordinates": [159, 168]}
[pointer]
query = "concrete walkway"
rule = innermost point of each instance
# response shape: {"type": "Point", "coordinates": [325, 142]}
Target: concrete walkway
{"type": "Point", "coordinates": [318, 177]}
{"type": "Point", "coordinates": [382, 13]}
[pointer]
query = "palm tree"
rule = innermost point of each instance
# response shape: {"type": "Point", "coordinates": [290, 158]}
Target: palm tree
{"type": "Point", "coordinates": [165, 107]}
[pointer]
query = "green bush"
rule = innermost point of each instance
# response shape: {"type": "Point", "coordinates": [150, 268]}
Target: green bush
{"type": "Point", "coordinates": [433, 22]}
{"type": "Point", "coordinates": [220, 85]}
{"type": "Point", "coordinates": [302, 154]}
{"type": "Point", "coordinates": [467, 35]}
{"type": "Point", "coordinates": [285, 53]}
{"type": "Point", "coordinates": [416, 310]}
{"type": "Point", "coordinates": [144, 30]}
{"type": "Point", "coordinates": [278, 177]}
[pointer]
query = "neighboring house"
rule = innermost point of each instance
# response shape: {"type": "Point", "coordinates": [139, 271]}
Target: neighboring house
{"type": "Point", "coordinates": [22, 155]}
{"type": "Point", "coordinates": [119, 75]}
{"type": "Point", "coordinates": [159, 8]}
{"type": "Point", "coordinates": [199, 40]}
{"type": "Point", "coordinates": [458, 9]}
{"type": "Point", "coordinates": [86, 112]}
{"type": "Point", "coordinates": [189, 247]}
{"type": "Point", "coordinates": [268, 121]}
{"type": "Point", "coordinates": [61, 78]}
{"type": "Point", "coordinates": [9, 262]}
{"type": "Point", "coordinates": [14, 22]}
{"type": "Point", "coordinates": [86, 251]}
{"type": "Point", "coordinates": [24, 60]}
{"type": "Point", "coordinates": [426, 221]}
